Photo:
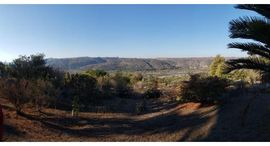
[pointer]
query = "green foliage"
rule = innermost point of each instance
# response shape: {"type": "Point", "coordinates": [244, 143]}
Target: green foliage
{"type": "Point", "coordinates": [152, 93]}
{"type": "Point", "coordinates": [29, 80]}
{"type": "Point", "coordinates": [3, 70]}
{"type": "Point", "coordinates": [105, 87]}
{"type": "Point", "coordinates": [217, 66]}
{"type": "Point", "coordinates": [250, 76]}
{"type": "Point", "coordinates": [31, 67]}
{"type": "Point", "coordinates": [96, 73]}
{"type": "Point", "coordinates": [84, 87]}
{"type": "Point", "coordinates": [136, 77]}
{"type": "Point", "coordinates": [206, 90]}
{"type": "Point", "coordinates": [152, 82]}
{"type": "Point", "coordinates": [75, 106]}
{"type": "Point", "coordinates": [121, 84]}
{"type": "Point", "coordinates": [256, 29]}
{"type": "Point", "coordinates": [152, 88]}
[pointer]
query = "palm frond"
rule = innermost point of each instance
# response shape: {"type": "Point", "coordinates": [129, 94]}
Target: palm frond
{"type": "Point", "coordinates": [256, 63]}
{"type": "Point", "coordinates": [254, 28]}
{"type": "Point", "coordinates": [261, 9]}
{"type": "Point", "coordinates": [252, 48]}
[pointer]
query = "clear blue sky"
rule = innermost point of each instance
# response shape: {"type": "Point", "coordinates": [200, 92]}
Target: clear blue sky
{"type": "Point", "coordinates": [116, 30]}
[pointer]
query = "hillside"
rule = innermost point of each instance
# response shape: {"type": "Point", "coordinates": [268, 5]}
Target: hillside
{"type": "Point", "coordinates": [128, 64]}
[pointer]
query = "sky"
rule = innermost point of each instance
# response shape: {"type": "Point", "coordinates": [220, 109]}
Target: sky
{"type": "Point", "coordinates": [137, 31]}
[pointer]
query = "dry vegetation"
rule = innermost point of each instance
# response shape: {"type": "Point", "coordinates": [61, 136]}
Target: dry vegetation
{"type": "Point", "coordinates": [128, 106]}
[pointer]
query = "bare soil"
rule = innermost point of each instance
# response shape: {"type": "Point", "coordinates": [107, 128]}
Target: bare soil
{"type": "Point", "coordinates": [165, 122]}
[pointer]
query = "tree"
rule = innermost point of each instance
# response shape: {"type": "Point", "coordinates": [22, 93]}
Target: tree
{"type": "Point", "coordinates": [220, 69]}
{"type": "Point", "coordinates": [42, 93]}
{"type": "Point", "coordinates": [75, 106]}
{"type": "Point", "coordinates": [29, 80]}
{"type": "Point", "coordinates": [121, 84]}
{"type": "Point", "coordinates": [17, 92]}
{"type": "Point", "coordinates": [2, 69]}
{"type": "Point", "coordinates": [256, 29]}
{"type": "Point", "coordinates": [84, 87]}
{"type": "Point", "coordinates": [32, 67]}
{"type": "Point", "coordinates": [217, 66]}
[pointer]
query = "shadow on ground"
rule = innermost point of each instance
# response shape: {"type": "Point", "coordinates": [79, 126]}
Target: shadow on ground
{"type": "Point", "coordinates": [216, 123]}
{"type": "Point", "coordinates": [171, 122]}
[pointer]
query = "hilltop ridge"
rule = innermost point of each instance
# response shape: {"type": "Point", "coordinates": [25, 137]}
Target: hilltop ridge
{"type": "Point", "coordinates": [128, 64]}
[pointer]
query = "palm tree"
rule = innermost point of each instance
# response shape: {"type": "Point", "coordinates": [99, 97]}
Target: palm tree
{"type": "Point", "coordinates": [256, 29]}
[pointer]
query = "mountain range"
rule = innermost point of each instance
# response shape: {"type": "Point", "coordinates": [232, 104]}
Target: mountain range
{"type": "Point", "coordinates": [128, 64]}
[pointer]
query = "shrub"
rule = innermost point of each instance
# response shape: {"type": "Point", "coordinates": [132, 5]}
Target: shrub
{"type": "Point", "coordinates": [96, 73]}
{"type": "Point", "coordinates": [206, 90]}
{"type": "Point", "coordinates": [83, 86]}
{"type": "Point", "coordinates": [121, 85]}
{"type": "Point", "coordinates": [16, 91]}
{"type": "Point", "coordinates": [42, 93]}
{"type": "Point", "coordinates": [105, 87]}
{"type": "Point", "coordinates": [246, 75]}
{"type": "Point", "coordinates": [136, 77]}
{"type": "Point", "coordinates": [152, 93]}
{"type": "Point", "coordinates": [75, 106]}
{"type": "Point", "coordinates": [217, 65]}
{"type": "Point", "coordinates": [140, 107]}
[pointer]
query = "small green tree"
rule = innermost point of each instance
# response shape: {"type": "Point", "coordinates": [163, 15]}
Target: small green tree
{"type": "Point", "coordinates": [84, 87]}
{"type": "Point", "coordinates": [217, 65]}
{"type": "Point", "coordinates": [220, 69]}
{"type": "Point", "coordinates": [75, 107]}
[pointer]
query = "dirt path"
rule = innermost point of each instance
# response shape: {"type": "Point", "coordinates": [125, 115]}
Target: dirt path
{"type": "Point", "coordinates": [184, 122]}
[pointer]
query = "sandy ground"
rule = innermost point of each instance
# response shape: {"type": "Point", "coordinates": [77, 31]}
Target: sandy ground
{"type": "Point", "coordinates": [170, 122]}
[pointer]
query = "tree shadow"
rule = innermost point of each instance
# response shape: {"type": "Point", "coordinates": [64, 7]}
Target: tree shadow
{"type": "Point", "coordinates": [234, 122]}
{"type": "Point", "coordinates": [12, 131]}
{"type": "Point", "coordinates": [157, 106]}
{"type": "Point", "coordinates": [170, 122]}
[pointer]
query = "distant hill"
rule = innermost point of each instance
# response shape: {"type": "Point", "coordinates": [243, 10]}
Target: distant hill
{"type": "Point", "coordinates": [128, 64]}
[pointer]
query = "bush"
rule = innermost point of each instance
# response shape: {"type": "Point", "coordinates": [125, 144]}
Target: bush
{"type": "Point", "coordinates": [136, 77]}
{"type": "Point", "coordinates": [83, 86]}
{"type": "Point", "coordinates": [140, 107]}
{"type": "Point", "coordinates": [96, 73]}
{"type": "Point", "coordinates": [121, 85]}
{"type": "Point", "coordinates": [206, 90]}
{"type": "Point", "coordinates": [105, 87]}
{"type": "Point", "coordinates": [42, 93]}
{"type": "Point", "coordinates": [152, 93]}
{"type": "Point", "coordinates": [16, 91]}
